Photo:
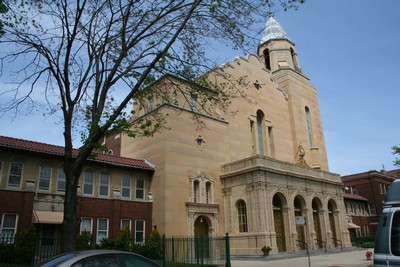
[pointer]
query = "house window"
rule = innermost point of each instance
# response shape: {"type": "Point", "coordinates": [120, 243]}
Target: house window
{"type": "Point", "coordinates": [125, 223]}
{"type": "Point", "coordinates": [15, 175]}
{"type": "Point", "coordinates": [104, 184]}
{"type": "Point", "coordinates": [88, 181]}
{"type": "Point", "coordinates": [44, 177]}
{"type": "Point", "coordinates": [9, 225]}
{"type": "Point", "coordinates": [354, 190]}
{"type": "Point", "coordinates": [242, 214]}
{"type": "Point", "coordinates": [102, 229]}
{"type": "Point", "coordinates": [61, 180]}
{"type": "Point", "coordinates": [309, 128]}
{"type": "Point", "coordinates": [139, 188]}
{"type": "Point", "coordinates": [139, 231]}
{"type": "Point", "coordinates": [372, 209]}
{"type": "Point", "coordinates": [86, 225]}
{"type": "Point", "coordinates": [126, 186]}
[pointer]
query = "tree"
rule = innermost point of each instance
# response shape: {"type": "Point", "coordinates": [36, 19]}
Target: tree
{"type": "Point", "coordinates": [3, 9]}
{"type": "Point", "coordinates": [396, 151]}
{"type": "Point", "coordinates": [90, 58]}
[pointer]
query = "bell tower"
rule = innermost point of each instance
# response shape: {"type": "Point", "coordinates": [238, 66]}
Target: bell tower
{"type": "Point", "coordinates": [276, 49]}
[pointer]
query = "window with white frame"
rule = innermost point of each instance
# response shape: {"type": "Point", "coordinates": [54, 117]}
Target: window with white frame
{"type": "Point", "coordinates": [9, 225]}
{"type": "Point", "coordinates": [102, 229]}
{"type": "Point", "coordinates": [86, 225]}
{"type": "Point", "coordinates": [139, 231]}
{"type": "Point", "coordinates": [61, 181]}
{"type": "Point", "coordinates": [126, 186]}
{"type": "Point", "coordinates": [88, 181]}
{"type": "Point", "coordinates": [15, 174]}
{"type": "Point", "coordinates": [104, 184]}
{"type": "Point", "coordinates": [139, 188]}
{"type": "Point", "coordinates": [125, 223]}
{"type": "Point", "coordinates": [45, 177]}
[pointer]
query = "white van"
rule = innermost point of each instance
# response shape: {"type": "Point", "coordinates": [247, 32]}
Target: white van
{"type": "Point", "coordinates": [387, 238]}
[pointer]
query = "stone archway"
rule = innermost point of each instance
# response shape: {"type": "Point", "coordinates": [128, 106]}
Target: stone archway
{"type": "Point", "coordinates": [332, 209]}
{"type": "Point", "coordinates": [298, 205]}
{"type": "Point", "coordinates": [316, 213]}
{"type": "Point", "coordinates": [279, 222]}
{"type": "Point", "coordinates": [201, 227]}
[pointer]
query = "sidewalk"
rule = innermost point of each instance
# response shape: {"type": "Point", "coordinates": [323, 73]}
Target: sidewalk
{"type": "Point", "coordinates": [354, 258]}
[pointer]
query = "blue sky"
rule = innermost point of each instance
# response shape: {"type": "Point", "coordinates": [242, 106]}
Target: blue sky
{"type": "Point", "coordinates": [350, 50]}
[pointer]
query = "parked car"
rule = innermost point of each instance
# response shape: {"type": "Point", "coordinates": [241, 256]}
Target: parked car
{"type": "Point", "coordinates": [99, 258]}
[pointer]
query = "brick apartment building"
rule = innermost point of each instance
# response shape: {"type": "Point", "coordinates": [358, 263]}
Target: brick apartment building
{"type": "Point", "coordinates": [370, 186]}
{"type": "Point", "coordinates": [113, 192]}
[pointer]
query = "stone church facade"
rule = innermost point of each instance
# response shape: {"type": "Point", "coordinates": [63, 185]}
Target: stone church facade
{"type": "Point", "coordinates": [261, 174]}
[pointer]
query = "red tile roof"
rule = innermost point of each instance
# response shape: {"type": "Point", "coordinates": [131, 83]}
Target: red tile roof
{"type": "Point", "coordinates": [351, 196]}
{"type": "Point", "coordinates": [26, 145]}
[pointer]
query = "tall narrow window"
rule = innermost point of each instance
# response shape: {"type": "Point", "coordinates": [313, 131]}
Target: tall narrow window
{"type": "Point", "coordinates": [126, 186]}
{"type": "Point", "coordinates": [208, 192]}
{"type": "Point", "coordinates": [260, 132]}
{"type": "Point", "coordinates": [309, 128]}
{"type": "Point", "coordinates": [15, 174]}
{"type": "Point", "coordinates": [102, 229]}
{"type": "Point", "coordinates": [44, 177]}
{"type": "Point", "coordinates": [267, 59]}
{"type": "Point", "coordinates": [253, 137]}
{"type": "Point", "coordinates": [139, 231]}
{"type": "Point", "coordinates": [196, 189]}
{"type": "Point", "coordinates": [61, 181]}
{"type": "Point", "coordinates": [104, 184]}
{"type": "Point", "coordinates": [139, 189]}
{"type": "Point", "coordinates": [86, 225]}
{"type": "Point", "coordinates": [88, 181]}
{"type": "Point", "coordinates": [242, 214]}
{"type": "Point", "coordinates": [8, 225]}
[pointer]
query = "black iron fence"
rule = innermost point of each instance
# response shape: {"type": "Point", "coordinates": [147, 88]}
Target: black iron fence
{"type": "Point", "coordinates": [26, 251]}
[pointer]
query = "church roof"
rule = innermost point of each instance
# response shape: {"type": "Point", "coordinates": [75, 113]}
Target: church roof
{"type": "Point", "coordinates": [273, 31]}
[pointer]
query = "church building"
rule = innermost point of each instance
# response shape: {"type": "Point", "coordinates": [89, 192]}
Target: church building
{"type": "Point", "coordinates": [260, 174]}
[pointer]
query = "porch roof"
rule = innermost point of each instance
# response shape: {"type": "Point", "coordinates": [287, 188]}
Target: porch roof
{"type": "Point", "coordinates": [47, 217]}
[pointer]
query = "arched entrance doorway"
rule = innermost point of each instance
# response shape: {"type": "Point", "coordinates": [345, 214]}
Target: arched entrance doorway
{"type": "Point", "coordinates": [316, 208]}
{"type": "Point", "coordinates": [331, 211]}
{"type": "Point", "coordinates": [279, 222]}
{"type": "Point", "coordinates": [298, 211]}
{"type": "Point", "coordinates": [201, 227]}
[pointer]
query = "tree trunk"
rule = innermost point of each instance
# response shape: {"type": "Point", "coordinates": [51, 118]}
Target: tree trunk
{"type": "Point", "coordinates": [71, 221]}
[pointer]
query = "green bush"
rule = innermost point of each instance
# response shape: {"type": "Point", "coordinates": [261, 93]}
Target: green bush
{"type": "Point", "coordinates": [83, 241]}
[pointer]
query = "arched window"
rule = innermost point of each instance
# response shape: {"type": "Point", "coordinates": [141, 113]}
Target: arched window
{"type": "Point", "coordinates": [88, 182]}
{"type": "Point", "coordinates": [45, 177]}
{"type": "Point", "coordinates": [242, 216]}
{"type": "Point", "coordinates": [267, 59]}
{"type": "Point", "coordinates": [196, 189]}
{"type": "Point", "coordinates": [61, 180]}
{"type": "Point", "coordinates": [260, 132]}
{"type": "Point", "coordinates": [208, 192]}
{"type": "Point", "coordinates": [309, 128]}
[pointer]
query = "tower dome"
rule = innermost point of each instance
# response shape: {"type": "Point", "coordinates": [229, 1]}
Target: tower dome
{"type": "Point", "coordinates": [273, 31]}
